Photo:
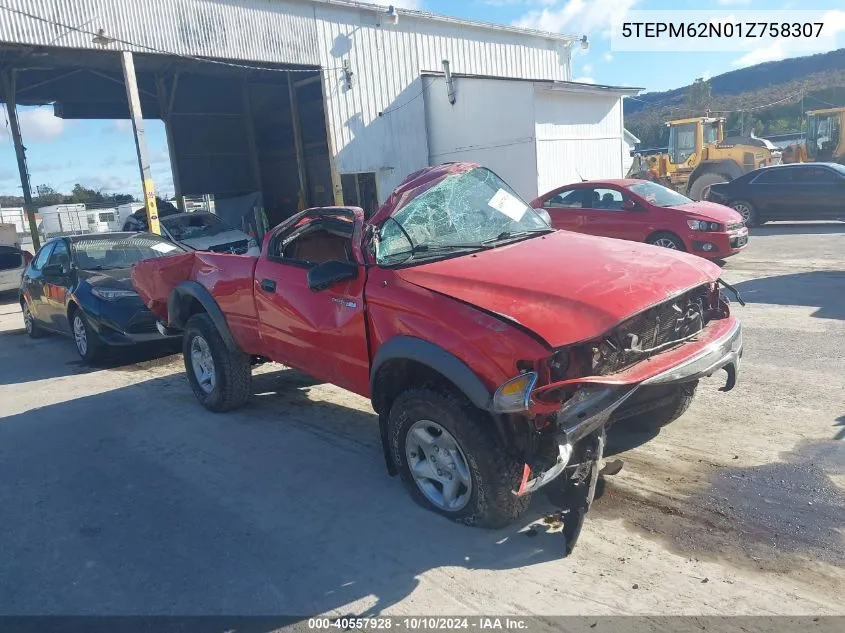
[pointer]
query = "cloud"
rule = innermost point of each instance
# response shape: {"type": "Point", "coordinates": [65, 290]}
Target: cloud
{"type": "Point", "coordinates": [585, 80]}
{"type": "Point", "coordinates": [587, 68]}
{"type": "Point", "coordinates": [834, 22]}
{"type": "Point", "coordinates": [507, 3]}
{"type": "Point", "coordinates": [770, 53]}
{"type": "Point", "coordinates": [577, 16]}
{"type": "Point", "coordinates": [608, 57]}
{"type": "Point", "coordinates": [118, 126]}
{"type": "Point", "coordinates": [730, 3]}
{"type": "Point", "coordinates": [37, 124]}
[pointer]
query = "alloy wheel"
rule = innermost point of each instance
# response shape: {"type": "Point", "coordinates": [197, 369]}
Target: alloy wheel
{"type": "Point", "coordinates": [202, 362]}
{"type": "Point", "coordinates": [80, 335]}
{"type": "Point", "coordinates": [744, 210]}
{"type": "Point", "coordinates": [665, 242]}
{"type": "Point", "coordinates": [27, 318]}
{"type": "Point", "coordinates": [438, 465]}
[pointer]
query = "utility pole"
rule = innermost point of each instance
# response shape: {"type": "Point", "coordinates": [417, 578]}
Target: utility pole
{"type": "Point", "coordinates": [131, 82]}
{"type": "Point", "coordinates": [20, 153]}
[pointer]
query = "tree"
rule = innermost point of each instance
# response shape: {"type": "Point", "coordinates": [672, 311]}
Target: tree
{"type": "Point", "coordinates": [698, 94]}
{"type": "Point", "coordinates": [47, 196]}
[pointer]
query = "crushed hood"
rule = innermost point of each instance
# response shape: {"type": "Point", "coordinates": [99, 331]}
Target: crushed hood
{"type": "Point", "coordinates": [565, 287]}
{"type": "Point", "coordinates": [205, 242]}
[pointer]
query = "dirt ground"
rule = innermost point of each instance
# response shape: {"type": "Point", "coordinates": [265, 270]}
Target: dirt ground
{"type": "Point", "coordinates": [121, 495]}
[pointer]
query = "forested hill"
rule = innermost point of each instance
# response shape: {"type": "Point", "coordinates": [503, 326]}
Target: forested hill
{"type": "Point", "coordinates": [766, 98]}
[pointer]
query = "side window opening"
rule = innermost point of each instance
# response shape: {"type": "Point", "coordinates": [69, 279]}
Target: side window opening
{"type": "Point", "coordinates": [566, 200]}
{"type": "Point", "coordinates": [605, 199]}
{"type": "Point", "coordinates": [318, 241]}
{"type": "Point", "coordinates": [60, 255]}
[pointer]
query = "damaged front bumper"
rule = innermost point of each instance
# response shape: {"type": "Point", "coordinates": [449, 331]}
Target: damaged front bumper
{"type": "Point", "coordinates": [592, 405]}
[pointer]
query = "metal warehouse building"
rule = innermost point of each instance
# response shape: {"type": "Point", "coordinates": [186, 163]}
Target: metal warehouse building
{"type": "Point", "coordinates": [317, 102]}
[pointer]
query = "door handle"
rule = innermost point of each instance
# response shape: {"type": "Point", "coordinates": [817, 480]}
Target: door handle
{"type": "Point", "coordinates": [268, 284]}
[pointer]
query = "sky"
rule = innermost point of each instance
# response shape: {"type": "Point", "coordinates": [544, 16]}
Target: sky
{"type": "Point", "coordinates": [101, 154]}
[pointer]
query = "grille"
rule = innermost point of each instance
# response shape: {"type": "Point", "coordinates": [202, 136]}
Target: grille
{"type": "Point", "coordinates": [236, 248]}
{"type": "Point", "coordinates": [651, 332]}
{"type": "Point", "coordinates": [736, 242]}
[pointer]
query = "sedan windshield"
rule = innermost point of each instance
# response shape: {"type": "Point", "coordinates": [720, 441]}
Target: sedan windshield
{"type": "Point", "coordinates": [120, 252]}
{"type": "Point", "coordinates": [467, 211]}
{"type": "Point", "coordinates": [186, 226]}
{"type": "Point", "coordinates": [658, 195]}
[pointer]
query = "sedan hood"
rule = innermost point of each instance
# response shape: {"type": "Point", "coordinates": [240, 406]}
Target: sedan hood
{"type": "Point", "coordinates": [205, 242]}
{"type": "Point", "coordinates": [565, 287]}
{"type": "Point", "coordinates": [710, 211]}
{"type": "Point", "coordinates": [120, 278]}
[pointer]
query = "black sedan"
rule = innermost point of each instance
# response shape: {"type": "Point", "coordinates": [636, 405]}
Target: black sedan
{"type": "Point", "coordinates": [81, 286]}
{"type": "Point", "coordinates": [799, 191]}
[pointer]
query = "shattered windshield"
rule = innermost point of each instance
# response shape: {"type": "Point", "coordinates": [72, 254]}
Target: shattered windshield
{"type": "Point", "coordinates": [186, 226]}
{"type": "Point", "coordinates": [467, 211]}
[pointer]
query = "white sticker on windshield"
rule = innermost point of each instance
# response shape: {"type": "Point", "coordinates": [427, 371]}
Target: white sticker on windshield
{"type": "Point", "coordinates": [164, 248]}
{"type": "Point", "coordinates": [505, 203]}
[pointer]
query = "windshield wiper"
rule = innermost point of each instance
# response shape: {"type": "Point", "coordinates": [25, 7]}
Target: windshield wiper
{"type": "Point", "coordinates": [508, 235]}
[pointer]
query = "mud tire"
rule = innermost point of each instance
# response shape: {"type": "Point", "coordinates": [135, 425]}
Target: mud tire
{"type": "Point", "coordinates": [494, 472]}
{"type": "Point", "coordinates": [233, 370]}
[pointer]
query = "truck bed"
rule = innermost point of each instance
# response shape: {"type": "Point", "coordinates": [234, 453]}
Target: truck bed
{"type": "Point", "coordinates": [229, 279]}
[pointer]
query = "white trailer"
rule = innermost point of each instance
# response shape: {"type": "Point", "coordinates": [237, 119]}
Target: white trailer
{"type": "Point", "coordinates": [9, 235]}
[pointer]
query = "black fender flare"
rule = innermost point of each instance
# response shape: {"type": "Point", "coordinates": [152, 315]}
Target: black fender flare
{"type": "Point", "coordinates": [727, 167]}
{"type": "Point", "coordinates": [179, 301]}
{"type": "Point", "coordinates": [438, 359]}
{"type": "Point", "coordinates": [432, 355]}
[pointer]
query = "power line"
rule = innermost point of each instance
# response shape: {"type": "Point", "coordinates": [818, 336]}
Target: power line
{"type": "Point", "coordinates": [152, 49]}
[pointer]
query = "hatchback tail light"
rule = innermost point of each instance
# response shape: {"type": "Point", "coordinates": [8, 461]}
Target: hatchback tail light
{"type": "Point", "coordinates": [27, 257]}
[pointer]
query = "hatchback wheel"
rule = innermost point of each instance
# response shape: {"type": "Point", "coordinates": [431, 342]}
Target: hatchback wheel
{"type": "Point", "coordinates": [667, 240]}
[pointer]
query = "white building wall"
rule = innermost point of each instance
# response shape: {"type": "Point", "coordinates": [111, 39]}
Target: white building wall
{"type": "Point", "coordinates": [579, 135]}
{"type": "Point", "coordinates": [379, 124]}
{"type": "Point", "coordinates": [491, 123]}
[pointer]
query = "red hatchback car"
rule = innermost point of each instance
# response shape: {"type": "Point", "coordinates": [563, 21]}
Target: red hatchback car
{"type": "Point", "coordinates": [644, 211]}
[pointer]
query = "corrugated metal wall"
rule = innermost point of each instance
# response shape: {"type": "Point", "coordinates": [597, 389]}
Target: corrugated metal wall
{"type": "Point", "coordinates": [378, 124]}
{"type": "Point", "coordinates": [278, 31]}
{"type": "Point", "coordinates": [565, 120]}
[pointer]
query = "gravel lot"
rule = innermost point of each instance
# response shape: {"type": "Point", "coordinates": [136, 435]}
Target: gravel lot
{"type": "Point", "coordinates": [121, 495]}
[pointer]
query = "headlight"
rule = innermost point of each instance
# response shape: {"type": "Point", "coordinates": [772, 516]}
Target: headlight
{"type": "Point", "coordinates": [701, 225]}
{"type": "Point", "coordinates": [112, 294]}
{"type": "Point", "coordinates": [515, 394]}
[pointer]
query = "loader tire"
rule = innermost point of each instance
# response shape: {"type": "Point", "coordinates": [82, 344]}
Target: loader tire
{"type": "Point", "coordinates": [696, 189]}
{"type": "Point", "coordinates": [220, 378]}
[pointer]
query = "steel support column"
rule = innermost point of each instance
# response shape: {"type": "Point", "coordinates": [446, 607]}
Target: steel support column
{"type": "Point", "coordinates": [136, 115]}
{"type": "Point", "coordinates": [20, 153]}
{"type": "Point", "coordinates": [165, 102]}
{"type": "Point", "coordinates": [297, 141]}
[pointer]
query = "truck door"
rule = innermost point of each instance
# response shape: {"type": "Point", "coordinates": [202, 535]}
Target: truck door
{"type": "Point", "coordinates": [321, 333]}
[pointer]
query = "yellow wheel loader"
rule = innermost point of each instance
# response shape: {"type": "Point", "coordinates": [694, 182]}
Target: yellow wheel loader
{"type": "Point", "coordinates": [825, 142]}
{"type": "Point", "coordinates": [699, 155]}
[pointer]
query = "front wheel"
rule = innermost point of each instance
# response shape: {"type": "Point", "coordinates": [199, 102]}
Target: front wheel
{"type": "Point", "coordinates": [667, 240]}
{"type": "Point", "coordinates": [747, 211]}
{"type": "Point", "coordinates": [88, 344]}
{"type": "Point", "coordinates": [450, 460]}
{"type": "Point", "coordinates": [220, 378]}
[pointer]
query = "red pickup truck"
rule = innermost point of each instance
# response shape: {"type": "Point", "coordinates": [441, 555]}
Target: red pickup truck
{"type": "Point", "coordinates": [495, 350]}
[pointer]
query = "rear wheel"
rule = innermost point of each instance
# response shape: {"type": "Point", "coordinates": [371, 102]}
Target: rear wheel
{"type": "Point", "coordinates": [88, 344]}
{"type": "Point", "coordinates": [31, 327]}
{"type": "Point", "coordinates": [450, 460]}
{"type": "Point", "coordinates": [667, 240]}
{"type": "Point", "coordinates": [220, 378]}
{"type": "Point", "coordinates": [700, 185]}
